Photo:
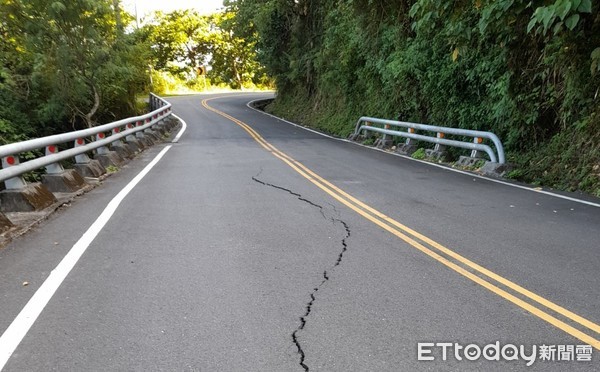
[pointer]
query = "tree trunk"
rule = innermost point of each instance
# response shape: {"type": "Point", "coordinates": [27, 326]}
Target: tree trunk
{"type": "Point", "coordinates": [88, 117]}
{"type": "Point", "coordinates": [238, 77]}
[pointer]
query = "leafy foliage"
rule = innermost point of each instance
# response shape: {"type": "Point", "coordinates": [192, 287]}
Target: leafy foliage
{"type": "Point", "coordinates": [181, 37]}
{"type": "Point", "coordinates": [65, 65]}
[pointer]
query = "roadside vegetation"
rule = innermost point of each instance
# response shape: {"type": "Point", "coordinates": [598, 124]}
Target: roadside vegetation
{"type": "Point", "coordinates": [527, 70]}
{"type": "Point", "coordinates": [68, 65]}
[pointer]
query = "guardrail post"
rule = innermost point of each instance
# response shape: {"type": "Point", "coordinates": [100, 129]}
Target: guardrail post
{"type": "Point", "coordinates": [438, 147]}
{"type": "Point", "coordinates": [84, 165]}
{"type": "Point", "coordinates": [158, 126]}
{"type": "Point", "coordinates": [476, 153]}
{"type": "Point", "coordinates": [365, 135]}
{"type": "Point", "coordinates": [14, 183]}
{"type": "Point", "coordinates": [81, 158]}
{"type": "Point", "coordinates": [410, 141]}
{"type": "Point", "coordinates": [386, 141]}
{"type": "Point", "coordinates": [168, 123]}
{"type": "Point", "coordinates": [59, 179]}
{"type": "Point", "coordinates": [150, 131]}
{"type": "Point", "coordinates": [475, 157]}
{"type": "Point", "coordinates": [439, 151]}
{"type": "Point", "coordinates": [162, 125]}
{"type": "Point", "coordinates": [409, 146]}
{"type": "Point", "coordinates": [132, 141]}
{"type": "Point", "coordinates": [21, 196]}
{"type": "Point", "coordinates": [146, 140]}
{"type": "Point", "coordinates": [105, 156]}
{"type": "Point", "coordinates": [151, 102]}
{"type": "Point", "coordinates": [102, 150]}
{"type": "Point", "coordinates": [54, 168]}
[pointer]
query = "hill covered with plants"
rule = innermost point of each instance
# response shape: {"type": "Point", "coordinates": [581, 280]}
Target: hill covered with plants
{"type": "Point", "coordinates": [527, 70]}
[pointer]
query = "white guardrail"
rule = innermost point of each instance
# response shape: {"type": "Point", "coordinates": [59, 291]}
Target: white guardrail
{"type": "Point", "coordinates": [366, 123]}
{"type": "Point", "coordinates": [96, 138]}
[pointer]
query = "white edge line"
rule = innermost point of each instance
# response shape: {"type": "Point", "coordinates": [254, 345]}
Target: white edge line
{"type": "Point", "coordinates": [14, 334]}
{"type": "Point", "coordinates": [249, 105]}
{"type": "Point", "coordinates": [183, 128]}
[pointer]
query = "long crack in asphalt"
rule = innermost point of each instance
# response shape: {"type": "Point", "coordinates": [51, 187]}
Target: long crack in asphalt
{"type": "Point", "coordinates": [326, 277]}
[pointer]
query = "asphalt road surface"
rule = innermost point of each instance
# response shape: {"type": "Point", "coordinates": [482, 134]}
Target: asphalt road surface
{"type": "Point", "coordinates": [256, 245]}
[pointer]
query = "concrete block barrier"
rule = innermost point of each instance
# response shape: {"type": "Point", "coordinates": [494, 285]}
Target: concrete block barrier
{"type": "Point", "coordinates": [32, 197]}
{"type": "Point", "coordinates": [92, 169]}
{"type": "Point", "coordinates": [66, 181]}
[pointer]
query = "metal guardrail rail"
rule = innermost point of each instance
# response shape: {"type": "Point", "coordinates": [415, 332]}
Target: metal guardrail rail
{"type": "Point", "coordinates": [102, 136]}
{"type": "Point", "coordinates": [365, 124]}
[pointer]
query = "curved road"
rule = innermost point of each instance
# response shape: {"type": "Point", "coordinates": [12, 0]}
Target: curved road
{"type": "Point", "coordinates": [255, 245]}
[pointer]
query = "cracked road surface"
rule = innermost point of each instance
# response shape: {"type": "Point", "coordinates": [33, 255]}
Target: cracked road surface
{"type": "Point", "coordinates": [313, 294]}
{"type": "Point", "coordinates": [254, 245]}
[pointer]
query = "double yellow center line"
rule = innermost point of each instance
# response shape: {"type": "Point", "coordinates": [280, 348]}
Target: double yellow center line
{"type": "Point", "coordinates": [536, 305]}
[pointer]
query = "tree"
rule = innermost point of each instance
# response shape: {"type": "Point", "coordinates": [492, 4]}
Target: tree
{"type": "Point", "coordinates": [75, 39]}
{"type": "Point", "coordinates": [183, 40]}
{"type": "Point", "coordinates": [233, 57]}
{"type": "Point", "coordinates": [181, 37]}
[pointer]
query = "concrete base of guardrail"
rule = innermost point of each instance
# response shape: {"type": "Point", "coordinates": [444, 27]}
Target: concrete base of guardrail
{"type": "Point", "coordinates": [436, 155]}
{"type": "Point", "coordinates": [93, 169]}
{"type": "Point", "coordinates": [161, 129]}
{"type": "Point", "coordinates": [169, 123]}
{"type": "Point", "coordinates": [384, 143]}
{"type": "Point", "coordinates": [135, 145]}
{"type": "Point", "coordinates": [356, 137]}
{"type": "Point", "coordinates": [33, 197]}
{"type": "Point", "coordinates": [146, 141]}
{"type": "Point", "coordinates": [67, 181]}
{"type": "Point", "coordinates": [491, 169]}
{"type": "Point", "coordinates": [153, 135]}
{"type": "Point", "coordinates": [5, 224]}
{"type": "Point", "coordinates": [111, 158]}
{"type": "Point", "coordinates": [467, 161]}
{"type": "Point", "coordinates": [124, 150]}
{"type": "Point", "coordinates": [406, 149]}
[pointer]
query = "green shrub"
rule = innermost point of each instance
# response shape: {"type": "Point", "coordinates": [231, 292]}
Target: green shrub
{"type": "Point", "coordinates": [419, 154]}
